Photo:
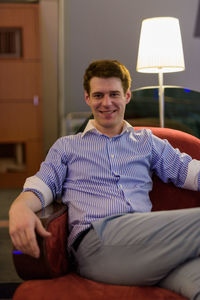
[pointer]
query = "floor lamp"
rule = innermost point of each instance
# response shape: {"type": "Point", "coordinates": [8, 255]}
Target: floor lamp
{"type": "Point", "coordinates": [160, 51]}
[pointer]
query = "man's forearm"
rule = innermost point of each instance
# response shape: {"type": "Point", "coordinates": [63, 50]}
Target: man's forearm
{"type": "Point", "coordinates": [28, 199]}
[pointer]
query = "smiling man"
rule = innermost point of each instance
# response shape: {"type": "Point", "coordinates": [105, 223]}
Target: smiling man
{"type": "Point", "coordinates": [107, 100]}
{"type": "Point", "coordinates": [104, 176]}
{"type": "Point", "coordinates": [107, 91]}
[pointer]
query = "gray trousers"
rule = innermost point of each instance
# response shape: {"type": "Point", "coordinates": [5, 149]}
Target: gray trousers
{"type": "Point", "coordinates": [156, 248]}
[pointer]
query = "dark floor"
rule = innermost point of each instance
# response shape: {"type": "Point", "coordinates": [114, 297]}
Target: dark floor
{"type": "Point", "coordinates": [8, 276]}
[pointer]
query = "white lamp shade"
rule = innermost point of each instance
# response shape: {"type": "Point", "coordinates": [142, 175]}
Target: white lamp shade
{"type": "Point", "coordinates": [160, 46]}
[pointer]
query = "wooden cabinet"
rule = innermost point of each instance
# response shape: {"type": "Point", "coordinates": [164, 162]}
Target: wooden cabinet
{"type": "Point", "coordinates": [20, 94]}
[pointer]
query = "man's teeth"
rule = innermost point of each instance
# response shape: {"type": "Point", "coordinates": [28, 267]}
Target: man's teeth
{"type": "Point", "coordinates": [107, 112]}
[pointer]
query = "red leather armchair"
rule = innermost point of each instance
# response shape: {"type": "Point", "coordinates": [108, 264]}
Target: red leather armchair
{"type": "Point", "coordinates": [51, 277]}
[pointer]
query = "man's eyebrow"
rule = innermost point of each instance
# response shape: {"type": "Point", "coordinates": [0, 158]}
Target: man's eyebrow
{"type": "Point", "coordinates": [93, 94]}
{"type": "Point", "coordinates": [115, 91]}
{"type": "Point", "coordinates": [101, 92]}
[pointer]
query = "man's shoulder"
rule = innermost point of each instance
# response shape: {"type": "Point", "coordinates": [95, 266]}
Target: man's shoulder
{"type": "Point", "coordinates": [141, 132]}
{"type": "Point", "coordinates": [70, 137]}
{"type": "Point", "coordinates": [67, 139]}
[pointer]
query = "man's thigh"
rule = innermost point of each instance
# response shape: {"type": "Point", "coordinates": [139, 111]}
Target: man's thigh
{"type": "Point", "coordinates": [185, 279]}
{"type": "Point", "coordinates": [139, 248]}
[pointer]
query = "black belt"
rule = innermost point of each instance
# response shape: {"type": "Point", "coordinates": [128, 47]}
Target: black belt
{"type": "Point", "coordinates": [78, 240]}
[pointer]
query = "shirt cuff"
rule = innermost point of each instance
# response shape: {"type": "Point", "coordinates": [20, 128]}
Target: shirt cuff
{"type": "Point", "coordinates": [41, 189]}
{"type": "Point", "coordinates": [192, 181]}
{"type": "Point", "coordinates": [199, 182]}
{"type": "Point", "coordinates": [38, 194]}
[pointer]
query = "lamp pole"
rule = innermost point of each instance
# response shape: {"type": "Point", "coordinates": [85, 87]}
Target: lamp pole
{"type": "Point", "coordinates": [161, 98]}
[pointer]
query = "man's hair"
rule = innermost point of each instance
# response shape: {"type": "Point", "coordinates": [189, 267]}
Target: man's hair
{"type": "Point", "coordinates": [107, 69]}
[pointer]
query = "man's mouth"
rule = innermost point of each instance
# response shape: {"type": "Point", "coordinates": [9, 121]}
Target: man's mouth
{"type": "Point", "coordinates": [107, 112]}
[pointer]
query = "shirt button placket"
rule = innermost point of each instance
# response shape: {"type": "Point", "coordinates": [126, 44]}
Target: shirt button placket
{"type": "Point", "coordinates": [112, 155]}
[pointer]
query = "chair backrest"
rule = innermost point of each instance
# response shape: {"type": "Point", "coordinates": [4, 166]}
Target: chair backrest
{"type": "Point", "coordinates": [167, 196]}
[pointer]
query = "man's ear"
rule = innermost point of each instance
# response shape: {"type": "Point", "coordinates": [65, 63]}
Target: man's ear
{"type": "Point", "coordinates": [128, 96]}
{"type": "Point", "coordinates": [87, 98]}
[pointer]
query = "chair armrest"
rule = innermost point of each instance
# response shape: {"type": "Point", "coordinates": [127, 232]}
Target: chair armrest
{"type": "Point", "coordinates": [53, 260]}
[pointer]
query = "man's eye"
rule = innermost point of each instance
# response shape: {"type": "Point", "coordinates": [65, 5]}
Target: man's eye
{"type": "Point", "coordinates": [97, 96]}
{"type": "Point", "coordinates": [115, 94]}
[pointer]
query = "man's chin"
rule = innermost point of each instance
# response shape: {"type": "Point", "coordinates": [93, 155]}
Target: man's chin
{"type": "Point", "coordinates": [108, 124]}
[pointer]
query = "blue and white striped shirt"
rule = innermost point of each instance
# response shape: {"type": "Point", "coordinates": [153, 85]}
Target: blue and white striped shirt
{"type": "Point", "coordinates": [98, 176]}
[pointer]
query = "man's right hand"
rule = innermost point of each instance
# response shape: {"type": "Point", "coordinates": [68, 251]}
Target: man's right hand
{"type": "Point", "coordinates": [23, 224]}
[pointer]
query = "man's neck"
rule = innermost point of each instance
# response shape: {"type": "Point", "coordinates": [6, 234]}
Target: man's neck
{"type": "Point", "coordinates": [109, 131]}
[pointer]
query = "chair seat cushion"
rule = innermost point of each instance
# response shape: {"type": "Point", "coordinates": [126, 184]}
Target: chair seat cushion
{"type": "Point", "coordinates": [73, 287]}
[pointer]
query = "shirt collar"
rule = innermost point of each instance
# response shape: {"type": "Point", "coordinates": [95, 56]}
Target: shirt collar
{"type": "Point", "coordinates": [91, 127]}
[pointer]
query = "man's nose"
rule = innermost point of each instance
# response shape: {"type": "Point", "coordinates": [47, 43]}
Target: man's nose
{"type": "Point", "coordinates": [107, 100]}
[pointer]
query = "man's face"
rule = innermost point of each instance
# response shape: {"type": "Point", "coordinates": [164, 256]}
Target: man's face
{"type": "Point", "coordinates": [107, 102]}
